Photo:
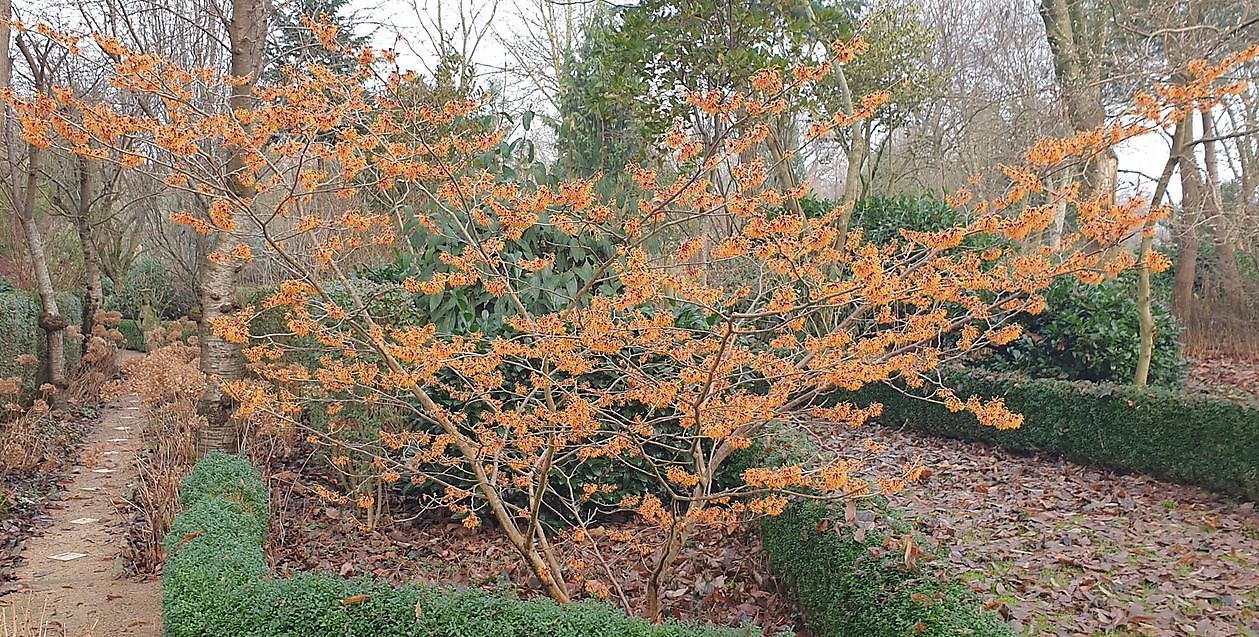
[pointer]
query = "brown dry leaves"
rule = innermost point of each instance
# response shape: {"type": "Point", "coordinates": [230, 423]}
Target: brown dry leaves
{"type": "Point", "coordinates": [168, 381]}
{"type": "Point", "coordinates": [1237, 378]}
{"type": "Point", "coordinates": [720, 579]}
{"type": "Point", "coordinates": [1063, 549]}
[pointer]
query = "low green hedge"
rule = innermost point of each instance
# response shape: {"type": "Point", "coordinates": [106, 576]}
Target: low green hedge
{"type": "Point", "coordinates": [848, 584]}
{"type": "Point", "coordinates": [849, 587]}
{"type": "Point", "coordinates": [1197, 439]}
{"type": "Point", "coordinates": [216, 582]}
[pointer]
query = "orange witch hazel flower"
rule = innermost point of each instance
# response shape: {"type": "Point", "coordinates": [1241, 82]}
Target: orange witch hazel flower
{"type": "Point", "coordinates": [550, 329]}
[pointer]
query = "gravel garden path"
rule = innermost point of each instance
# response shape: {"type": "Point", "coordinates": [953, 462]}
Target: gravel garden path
{"type": "Point", "coordinates": [72, 583]}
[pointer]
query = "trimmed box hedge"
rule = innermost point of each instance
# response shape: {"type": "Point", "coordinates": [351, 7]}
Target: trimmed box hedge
{"type": "Point", "coordinates": [1196, 439]}
{"type": "Point", "coordinates": [217, 582]}
{"type": "Point", "coordinates": [847, 583]}
{"type": "Point", "coordinates": [850, 587]}
{"type": "Point", "coordinates": [19, 322]}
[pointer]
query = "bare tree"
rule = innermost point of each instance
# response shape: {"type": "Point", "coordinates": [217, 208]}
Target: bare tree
{"type": "Point", "coordinates": [22, 166]}
{"type": "Point", "coordinates": [1078, 32]}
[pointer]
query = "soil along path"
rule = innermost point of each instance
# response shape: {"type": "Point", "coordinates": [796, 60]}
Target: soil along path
{"type": "Point", "coordinates": [73, 572]}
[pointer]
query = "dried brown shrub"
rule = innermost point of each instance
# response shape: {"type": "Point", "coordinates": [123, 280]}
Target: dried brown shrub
{"type": "Point", "coordinates": [168, 381]}
{"type": "Point", "coordinates": [35, 438]}
{"type": "Point", "coordinates": [98, 365]}
{"type": "Point", "coordinates": [181, 331]}
{"type": "Point", "coordinates": [1218, 324]}
{"type": "Point", "coordinates": [32, 617]}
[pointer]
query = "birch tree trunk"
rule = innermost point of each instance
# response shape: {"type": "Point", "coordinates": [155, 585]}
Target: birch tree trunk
{"type": "Point", "coordinates": [221, 360]}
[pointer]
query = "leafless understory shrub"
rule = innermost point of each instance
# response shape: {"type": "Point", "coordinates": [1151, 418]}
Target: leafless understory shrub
{"type": "Point", "coordinates": [1220, 324]}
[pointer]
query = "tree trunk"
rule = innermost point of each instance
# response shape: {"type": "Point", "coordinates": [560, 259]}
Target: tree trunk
{"type": "Point", "coordinates": [1145, 319]}
{"type": "Point", "coordinates": [660, 574]}
{"type": "Point", "coordinates": [50, 318]}
{"type": "Point", "coordinates": [1059, 226]}
{"type": "Point", "coordinates": [21, 190]}
{"type": "Point", "coordinates": [221, 360]}
{"type": "Point", "coordinates": [1145, 295]}
{"type": "Point", "coordinates": [857, 153]}
{"type": "Point", "coordinates": [1191, 202]}
{"type": "Point", "coordinates": [93, 288]}
{"type": "Point", "coordinates": [1077, 70]}
{"type": "Point", "coordinates": [1248, 161]}
{"type": "Point", "coordinates": [1225, 254]}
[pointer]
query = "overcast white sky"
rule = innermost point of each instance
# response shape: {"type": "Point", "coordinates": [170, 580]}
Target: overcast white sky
{"type": "Point", "coordinates": [393, 18]}
{"type": "Point", "coordinates": [1147, 155]}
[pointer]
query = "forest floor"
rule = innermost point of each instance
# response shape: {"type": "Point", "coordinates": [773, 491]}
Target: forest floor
{"type": "Point", "coordinates": [85, 591]}
{"type": "Point", "coordinates": [1054, 548]}
{"type": "Point", "coordinates": [721, 579]}
{"type": "Point", "coordinates": [1061, 549]}
{"type": "Point", "coordinates": [1232, 376]}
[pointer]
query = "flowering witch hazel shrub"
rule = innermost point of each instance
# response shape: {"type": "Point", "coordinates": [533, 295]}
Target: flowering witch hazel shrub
{"type": "Point", "coordinates": [500, 424]}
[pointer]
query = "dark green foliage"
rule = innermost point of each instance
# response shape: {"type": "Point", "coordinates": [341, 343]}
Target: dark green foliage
{"type": "Point", "coordinates": [19, 322]}
{"type": "Point", "coordinates": [132, 334]}
{"type": "Point", "coordinates": [216, 582]}
{"type": "Point", "coordinates": [1197, 439]}
{"type": "Point", "coordinates": [596, 129]}
{"type": "Point", "coordinates": [656, 48]}
{"type": "Point", "coordinates": [311, 605]}
{"type": "Point", "coordinates": [882, 218]}
{"type": "Point", "coordinates": [387, 302]}
{"type": "Point", "coordinates": [1091, 332]}
{"type": "Point", "coordinates": [1088, 332]}
{"type": "Point", "coordinates": [6, 285]}
{"type": "Point", "coordinates": [473, 309]}
{"type": "Point", "coordinates": [290, 43]}
{"type": "Point", "coordinates": [19, 325]}
{"type": "Point", "coordinates": [857, 588]}
{"type": "Point", "coordinates": [149, 281]}
{"type": "Point", "coordinates": [219, 474]}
